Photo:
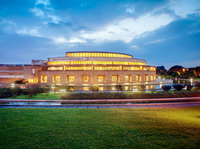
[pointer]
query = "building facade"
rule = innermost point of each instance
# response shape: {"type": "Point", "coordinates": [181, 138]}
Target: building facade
{"type": "Point", "coordinates": [83, 70]}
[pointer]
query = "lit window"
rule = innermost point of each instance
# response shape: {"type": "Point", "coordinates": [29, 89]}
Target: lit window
{"type": "Point", "coordinates": [146, 78]}
{"type": "Point", "coordinates": [43, 79]}
{"type": "Point", "coordinates": [126, 88]}
{"type": "Point", "coordinates": [55, 68]}
{"type": "Point", "coordinates": [86, 78]}
{"type": "Point", "coordinates": [138, 78]}
{"type": "Point", "coordinates": [71, 78]}
{"type": "Point", "coordinates": [32, 80]}
{"type": "Point", "coordinates": [151, 77]}
{"type": "Point", "coordinates": [128, 78]}
{"type": "Point", "coordinates": [56, 79]}
{"type": "Point", "coordinates": [114, 88]}
{"type": "Point", "coordinates": [101, 88]}
{"type": "Point", "coordinates": [86, 88]}
{"type": "Point", "coordinates": [115, 78]}
{"type": "Point", "coordinates": [100, 79]}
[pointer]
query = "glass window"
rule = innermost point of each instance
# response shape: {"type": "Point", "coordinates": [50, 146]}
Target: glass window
{"type": "Point", "coordinates": [32, 80]}
{"type": "Point", "coordinates": [151, 77]}
{"type": "Point", "coordinates": [86, 88]}
{"type": "Point", "coordinates": [43, 79]}
{"type": "Point", "coordinates": [101, 88]}
{"type": "Point", "coordinates": [126, 88]}
{"type": "Point", "coordinates": [56, 78]}
{"type": "Point", "coordinates": [128, 78]}
{"type": "Point", "coordinates": [115, 78]}
{"type": "Point", "coordinates": [86, 78]}
{"type": "Point", "coordinates": [71, 78]}
{"type": "Point", "coordinates": [146, 78]}
{"type": "Point", "coordinates": [138, 78]}
{"type": "Point", "coordinates": [100, 78]}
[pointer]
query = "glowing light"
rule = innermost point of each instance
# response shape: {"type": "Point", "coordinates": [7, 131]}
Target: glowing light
{"type": "Point", "coordinates": [12, 85]}
{"type": "Point", "coordinates": [32, 80]}
{"type": "Point", "coordinates": [98, 54]}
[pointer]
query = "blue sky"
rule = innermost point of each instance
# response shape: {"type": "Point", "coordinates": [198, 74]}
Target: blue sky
{"type": "Point", "coordinates": [164, 32]}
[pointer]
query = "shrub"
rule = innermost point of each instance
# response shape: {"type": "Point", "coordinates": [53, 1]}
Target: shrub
{"type": "Point", "coordinates": [119, 95]}
{"type": "Point", "coordinates": [178, 87]}
{"type": "Point", "coordinates": [166, 88]}
{"type": "Point", "coordinates": [189, 87]}
{"type": "Point", "coordinates": [197, 86]}
{"type": "Point", "coordinates": [70, 88]}
{"type": "Point", "coordinates": [119, 87]}
{"type": "Point", "coordinates": [34, 89]}
{"type": "Point", "coordinates": [94, 88]}
{"type": "Point", "coordinates": [141, 88]}
{"type": "Point", "coordinates": [16, 91]}
{"type": "Point", "coordinates": [5, 92]}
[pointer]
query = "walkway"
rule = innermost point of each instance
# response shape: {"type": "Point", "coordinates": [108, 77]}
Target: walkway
{"type": "Point", "coordinates": [102, 103]}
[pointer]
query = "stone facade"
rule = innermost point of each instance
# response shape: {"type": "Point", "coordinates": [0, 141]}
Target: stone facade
{"type": "Point", "coordinates": [82, 69]}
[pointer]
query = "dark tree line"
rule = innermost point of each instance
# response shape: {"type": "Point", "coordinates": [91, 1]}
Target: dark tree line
{"type": "Point", "coordinates": [178, 71]}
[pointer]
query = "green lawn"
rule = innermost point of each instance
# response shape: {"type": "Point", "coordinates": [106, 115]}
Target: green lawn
{"type": "Point", "coordinates": [100, 128]}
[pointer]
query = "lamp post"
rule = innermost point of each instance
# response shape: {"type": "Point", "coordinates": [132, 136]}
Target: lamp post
{"type": "Point", "coordinates": [12, 85]}
{"type": "Point", "coordinates": [191, 81]}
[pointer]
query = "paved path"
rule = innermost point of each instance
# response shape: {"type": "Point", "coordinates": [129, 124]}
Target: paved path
{"type": "Point", "coordinates": [170, 103]}
{"type": "Point", "coordinates": [102, 100]}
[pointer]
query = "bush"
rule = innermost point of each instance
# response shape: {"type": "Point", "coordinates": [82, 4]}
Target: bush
{"type": "Point", "coordinates": [34, 89]}
{"type": "Point", "coordinates": [189, 87]}
{"type": "Point", "coordinates": [16, 91]}
{"type": "Point", "coordinates": [166, 88]}
{"type": "Point", "coordinates": [120, 95]}
{"type": "Point", "coordinates": [94, 88]}
{"type": "Point", "coordinates": [197, 86]}
{"type": "Point", "coordinates": [141, 88]}
{"type": "Point", "coordinates": [119, 87]}
{"type": "Point", "coordinates": [178, 87]}
{"type": "Point", "coordinates": [5, 92]}
{"type": "Point", "coordinates": [70, 88]}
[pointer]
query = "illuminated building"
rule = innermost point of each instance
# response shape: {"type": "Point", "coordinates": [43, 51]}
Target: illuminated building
{"type": "Point", "coordinates": [85, 69]}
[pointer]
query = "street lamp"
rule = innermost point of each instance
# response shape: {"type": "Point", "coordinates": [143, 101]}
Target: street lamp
{"type": "Point", "coordinates": [191, 80]}
{"type": "Point", "coordinates": [12, 85]}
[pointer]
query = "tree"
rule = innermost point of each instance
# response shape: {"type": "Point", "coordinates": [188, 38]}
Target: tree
{"type": "Point", "coordinates": [175, 74]}
{"type": "Point", "coordinates": [160, 70]}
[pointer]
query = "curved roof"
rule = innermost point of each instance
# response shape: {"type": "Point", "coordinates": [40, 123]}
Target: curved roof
{"type": "Point", "coordinates": [97, 54]}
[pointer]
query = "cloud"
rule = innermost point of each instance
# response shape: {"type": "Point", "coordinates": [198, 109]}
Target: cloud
{"type": "Point", "coordinates": [29, 31]}
{"type": "Point", "coordinates": [7, 25]}
{"type": "Point", "coordinates": [43, 2]}
{"type": "Point", "coordinates": [55, 19]}
{"type": "Point", "coordinates": [71, 40]}
{"type": "Point", "coordinates": [183, 8]}
{"type": "Point", "coordinates": [130, 9]}
{"type": "Point", "coordinates": [135, 46]}
{"type": "Point", "coordinates": [155, 41]}
{"type": "Point", "coordinates": [134, 28]}
{"type": "Point", "coordinates": [38, 12]}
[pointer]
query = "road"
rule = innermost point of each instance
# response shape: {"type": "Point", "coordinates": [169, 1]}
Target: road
{"type": "Point", "coordinates": [103, 103]}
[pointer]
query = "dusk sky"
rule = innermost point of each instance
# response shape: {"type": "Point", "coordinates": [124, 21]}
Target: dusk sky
{"type": "Point", "coordinates": [163, 32]}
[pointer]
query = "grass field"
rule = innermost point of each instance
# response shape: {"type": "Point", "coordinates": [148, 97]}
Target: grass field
{"type": "Point", "coordinates": [175, 128]}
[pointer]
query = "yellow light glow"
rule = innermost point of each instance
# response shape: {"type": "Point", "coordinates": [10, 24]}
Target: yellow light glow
{"type": "Point", "coordinates": [94, 63]}
{"type": "Point", "coordinates": [98, 54]}
{"type": "Point", "coordinates": [32, 80]}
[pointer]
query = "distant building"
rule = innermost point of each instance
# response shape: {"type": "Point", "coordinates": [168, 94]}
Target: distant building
{"type": "Point", "coordinates": [82, 70]}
